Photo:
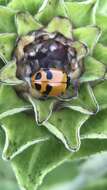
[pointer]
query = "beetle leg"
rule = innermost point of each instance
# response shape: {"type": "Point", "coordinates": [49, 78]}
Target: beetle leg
{"type": "Point", "coordinates": [75, 86]}
{"type": "Point", "coordinates": [43, 97]}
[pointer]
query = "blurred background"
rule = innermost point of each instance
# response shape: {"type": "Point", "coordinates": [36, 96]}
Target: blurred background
{"type": "Point", "coordinates": [7, 178]}
{"type": "Point", "coordinates": [82, 174]}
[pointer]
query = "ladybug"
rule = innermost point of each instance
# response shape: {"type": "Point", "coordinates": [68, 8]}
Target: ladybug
{"type": "Point", "coordinates": [50, 82]}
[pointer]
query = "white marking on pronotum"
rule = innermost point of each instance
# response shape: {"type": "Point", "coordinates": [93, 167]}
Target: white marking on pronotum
{"type": "Point", "coordinates": [32, 53]}
{"type": "Point", "coordinates": [53, 47]}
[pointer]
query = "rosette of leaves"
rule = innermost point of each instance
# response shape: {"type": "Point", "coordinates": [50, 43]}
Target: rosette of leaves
{"type": "Point", "coordinates": [67, 130]}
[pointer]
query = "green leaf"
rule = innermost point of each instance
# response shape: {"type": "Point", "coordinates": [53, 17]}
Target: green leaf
{"type": "Point", "coordinates": [101, 21]}
{"type": "Point", "coordinates": [100, 53]}
{"type": "Point", "coordinates": [102, 7]}
{"type": "Point", "coordinates": [7, 23]}
{"type": "Point", "coordinates": [80, 13]}
{"type": "Point", "coordinates": [34, 163]}
{"type": "Point", "coordinates": [10, 103]}
{"type": "Point", "coordinates": [85, 102]}
{"type": "Point", "coordinates": [3, 2]}
{"type": "Point", "coordinates": [65, 26]}
{"type": "Point", "coordinates": [8, 74]}
{"type": "Point", "coordinates": [61, 9]}
{"type": "Point", "coordinates": [7, 1]}
{"type": "Point", "coordinates": [87, 149]}
{"type": "Point", "coordinates": [61, 177]}
{"type": "Point", "coordinates": [47, 11]}
{"type": "Point", "coordinates": [2, 138]}
{"type": "Point", "coordinates": [96, 126]}
{"type": "Point", "coordinates": [81, 49]}
{"type": "Point", "coordinates": [31, 6]}
{"type": "Point", "coordinates": [94, 70]}
{"type": "Point", "coordinates": [28, 133]}
{"type": "Point", "coordinates": [100, 184]}
{"type": "Point", "coordinates": [7, 43]}
{"type": "Point", "coordinates": [74, 0]}
{"type": "Point", "coordinates": [65, 125]}
{"type": "Point", "coordinates": [25, 23]}
{"type": "Point", "coordinates": [1, 63]}
{"type": "Point", "coordinates": [89, 35]}
{"type": "Point", "coordinates": [43, 109]}
{"type": "Point", "coordinates": [64, 129]}
{"type": "Point", "coordinates": [100, 94]}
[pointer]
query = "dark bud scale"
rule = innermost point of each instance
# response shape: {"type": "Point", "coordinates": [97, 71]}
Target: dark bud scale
{"type": "Point", "coordinates": [50, 52]}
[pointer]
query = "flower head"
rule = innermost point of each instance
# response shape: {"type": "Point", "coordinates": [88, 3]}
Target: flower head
{"type": "Point", "coordinates": [53, 74]}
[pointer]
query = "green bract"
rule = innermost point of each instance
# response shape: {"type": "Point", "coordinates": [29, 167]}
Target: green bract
{"type": "Point", "coordinates": [69, 132]}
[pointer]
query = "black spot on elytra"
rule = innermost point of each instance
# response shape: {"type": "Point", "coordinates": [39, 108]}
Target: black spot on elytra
{"type": "Point", "coordinates": [49, 75]}
{"type": "Point", "coordinates": [48, 90]}
{"type": "Point", "coordinates": [38, 76]}
{"type": "Point", "coordinates": [38, 86]}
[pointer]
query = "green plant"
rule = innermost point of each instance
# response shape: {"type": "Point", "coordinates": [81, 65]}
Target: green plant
{"type": "Point", "coordinates": [78, 129]}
